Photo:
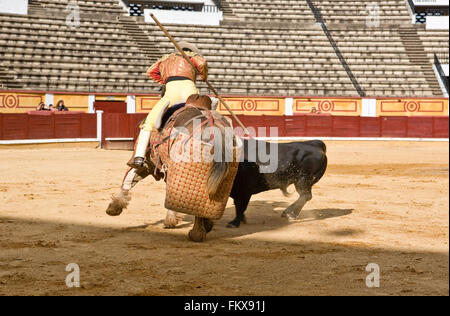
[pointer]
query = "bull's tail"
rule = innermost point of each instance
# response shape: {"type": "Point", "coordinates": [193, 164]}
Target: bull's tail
{"type": "Point", "coordinates": [319, 174]}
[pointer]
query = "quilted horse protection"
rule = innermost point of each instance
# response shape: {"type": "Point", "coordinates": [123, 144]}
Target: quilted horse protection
{"type": "Point", "coordinates": [186, 180]}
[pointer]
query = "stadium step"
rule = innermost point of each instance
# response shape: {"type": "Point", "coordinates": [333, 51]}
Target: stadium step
{"type": "Point", "coordinates": [35, 8]}
{"type": "Point", "coordinates": [8, 79]}
{"type": "Point", "coordinates": [416, 52]}
{"type": "Point", "coordinates": [140, 38]}
{"type": "Point", "coordinates": [226, 8]}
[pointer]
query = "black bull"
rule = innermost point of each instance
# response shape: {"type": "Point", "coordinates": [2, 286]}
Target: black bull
{"type": "Point", "coordinates": [300, 163]}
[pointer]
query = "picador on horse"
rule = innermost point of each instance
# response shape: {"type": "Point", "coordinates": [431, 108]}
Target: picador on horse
{"type": "Point", "coordinates": [207, 188]}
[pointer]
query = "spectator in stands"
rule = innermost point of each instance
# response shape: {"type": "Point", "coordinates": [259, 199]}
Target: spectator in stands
{"type": "Point", "coordinates": [179, 78]}
{"type": "Point", "coordinates": [51, 108]}
{"type": "Point", "coordinates": [60, 106]}
{"type": "Point", "coordinates": [41, 107]}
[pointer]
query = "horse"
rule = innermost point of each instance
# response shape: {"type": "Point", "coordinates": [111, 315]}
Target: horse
{"type": "Point", "coordinates": [195, 116]}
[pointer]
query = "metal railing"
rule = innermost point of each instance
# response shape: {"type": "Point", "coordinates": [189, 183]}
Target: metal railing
{"type": "Point", "coordinates": [443, 58]}
{"type": "Point", "coordinates": [412, 5]}
{"type": "Point", "coordinates": [319, 19]}
{"type": "Point", "coordinates": [211, 9]}
{"type": "Point", "coordinates": [438, 64]}
{"type": "Point", "coordinates": [176, 5]}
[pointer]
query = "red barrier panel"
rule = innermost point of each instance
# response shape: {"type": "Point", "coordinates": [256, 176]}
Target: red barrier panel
{"type": "Point", "coordinates": [295, 126]}
{"type": "Point", "coordinates": [370, 127]}
{"type": "Point", "coordinates": [440, 127]}
{"type": "Point", "coordinates": [394, 126]}
{"type": "Point", "coordinates": [116, 125]}
{"type": "Point", "coordinates": [274, 122]}
{"type": "Point", "coordinates": [15, 126]}
{"type": "Point", "coordinates": [67, 126]}
{"type": "Point", "coordinates": [88, 125]}
{"type": "Point", "coordinates": [135, 121]}
{"type": "Point", "coordinates": [346, 126]}
{"type": "Point", "coordinates": [40, 126]}
{"type": "Point", "coordinates": [252, 123]}
{"type": "Point", "coordinates": [319, 125]}
{"type": "Point", "coordinates": [421, 127]}
{"type": "Point", "coordinates": [119, 125]}
{"type": "Point", "coordinates": [47, 125]}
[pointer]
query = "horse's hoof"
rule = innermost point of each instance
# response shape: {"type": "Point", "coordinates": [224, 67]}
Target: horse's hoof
{"type": "Point", "coordinates": [209, 225]}
{"type": "Point", "coordinates": [197, 236]}
{"type": "Point", "coordinates": [114, 210]}
{"type": "Point", "coordinates": [171, 222]}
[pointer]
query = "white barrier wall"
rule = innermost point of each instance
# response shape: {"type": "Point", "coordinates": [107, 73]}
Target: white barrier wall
{"type": "Point", "coordinates": [184, 17]}
{"type": "Point", "coordinates": [50, 99]}
{"type": "Point", "coordinates": [14, 6]}
{"type": "Point", "coordinates": [289, 107]}
{"type": "Point", "coordinates": [437, 23]}
{"type": "Point", "coordinates": [369, 108]}
{"type": "Point", "coordinates": [131, 104]}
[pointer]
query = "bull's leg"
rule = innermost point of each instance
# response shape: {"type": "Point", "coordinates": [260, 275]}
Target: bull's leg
{"type": "Point", "coordinates": [304, 190]}
{"type": "Point", "coordinates": [172, 219]}
{"type": "Point", "coordinates": [198, 232]}
{"type": "Point", "coordinates": [240, 204]}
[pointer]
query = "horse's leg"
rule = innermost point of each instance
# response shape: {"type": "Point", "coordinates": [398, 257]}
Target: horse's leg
{"type": "Point", "coordinates": [172, 219]}
{"type": "Point", "coordinates": [198, 232]}
{"type": "Point", "coordinates": [209, 225]}
{"type": "Point", "coordinates": [303, 188]}
{"type": "Point", "coordinates": [122, 199]}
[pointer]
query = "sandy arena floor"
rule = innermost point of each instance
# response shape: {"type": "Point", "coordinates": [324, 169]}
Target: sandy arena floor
{"type": "Point", "coordinates": [379, 202]}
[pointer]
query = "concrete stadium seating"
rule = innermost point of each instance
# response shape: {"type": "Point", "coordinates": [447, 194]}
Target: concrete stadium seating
{"type": "Point", "coordinates": [265, 61]}
{"type": "Point", "coordinates": [379, 60]}
{"type": "Point", "coordinates": [44, 53]}
{"type": "Point", "coordinates": [434, 41]}
{"type": "Point", "coordinates": [270, 11]}
{"type": "Point", "coordinates": [354, 11]}
{"type": "Point", "coordinates": [262, 48]}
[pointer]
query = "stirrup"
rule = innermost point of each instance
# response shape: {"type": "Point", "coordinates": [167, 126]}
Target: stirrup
{"type": "Point", "coordinates": [138, 163]}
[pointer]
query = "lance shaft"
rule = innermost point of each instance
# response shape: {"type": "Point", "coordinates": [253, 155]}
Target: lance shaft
{"type": "Point", "coordinates": [198, 72]}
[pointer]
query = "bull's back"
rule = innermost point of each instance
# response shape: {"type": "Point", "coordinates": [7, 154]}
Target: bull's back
{"type": "Point", "coordinates": [316, 144]}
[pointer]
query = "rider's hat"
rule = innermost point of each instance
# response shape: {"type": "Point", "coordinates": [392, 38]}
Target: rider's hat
{"type": "Point", "coordinates": [188, 46]}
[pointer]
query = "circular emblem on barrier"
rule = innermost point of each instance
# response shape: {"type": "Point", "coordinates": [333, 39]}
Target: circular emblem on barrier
{"type": "Point", "coordinates": [249, 105]}
{"type": "Point", "coordinates": [412, 107]}
{"type": "Point", "coordinates": [326, 106]}
{"type": "Point", "coordinates": [10, 101]}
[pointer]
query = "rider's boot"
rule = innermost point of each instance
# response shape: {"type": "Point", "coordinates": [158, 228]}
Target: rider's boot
{"type": "Point", "coordinates": [141, 149]}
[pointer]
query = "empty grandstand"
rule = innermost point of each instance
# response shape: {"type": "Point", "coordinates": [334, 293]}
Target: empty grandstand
{"type": "Point", "coordinates": [286, 48]}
